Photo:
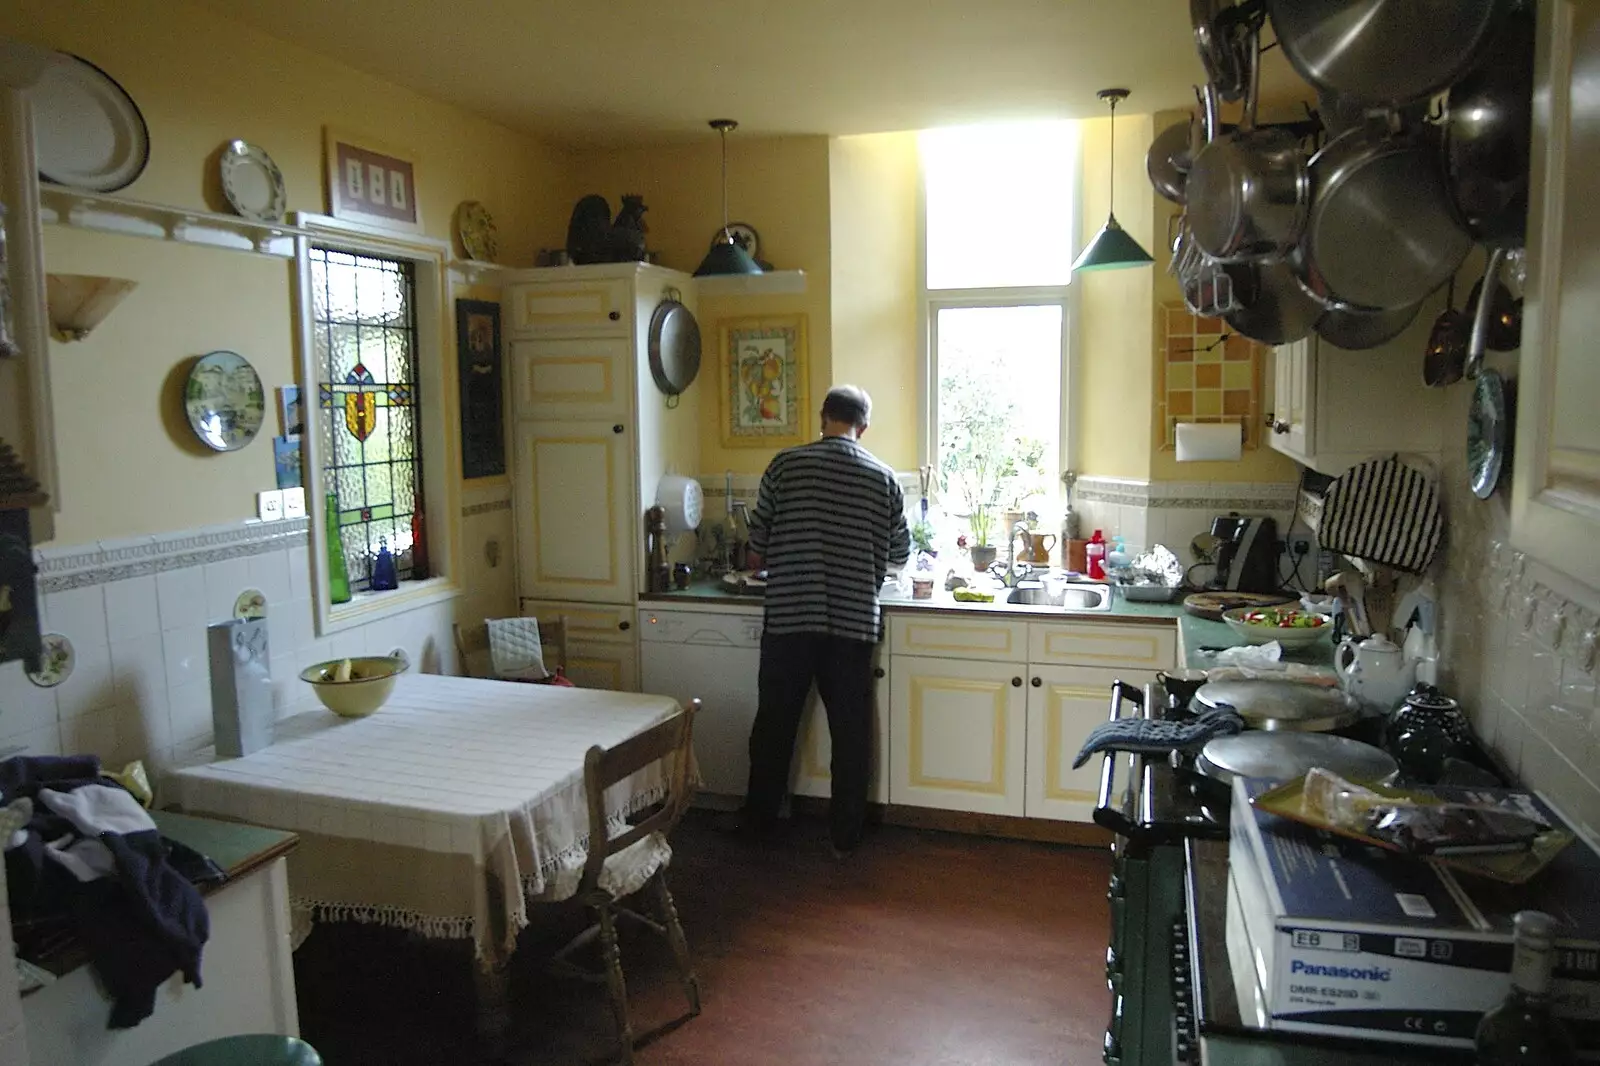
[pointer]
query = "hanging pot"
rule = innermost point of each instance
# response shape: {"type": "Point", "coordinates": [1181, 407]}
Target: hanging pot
{"type": "Point", "coordinates": [1168, 161]}
{"type": "Point", "coordinates": [1357, 329]}
{"type": "Point", "coordinates": [1383, 52]}
{"type": "Point", "coordinates": [1447, 344]}
{"type": "Point", "coordinates": [1381, 234]}
{"type": "Point", "coordinates": [1488, 129]}
{"type": "Point", "coordinates": [1275, 307]}
{"type": "Point", "coordinates": [674, 346]}
{"type": "Point", "coordinates": [1219, 38]}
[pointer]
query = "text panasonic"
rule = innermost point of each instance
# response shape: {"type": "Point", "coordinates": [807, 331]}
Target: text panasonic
{"type": "Point", "coordinates": [1347, 973]}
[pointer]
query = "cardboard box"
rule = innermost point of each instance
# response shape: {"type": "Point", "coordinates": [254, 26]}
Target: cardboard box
{"type": "Point", "coordinates": [1349, 940]}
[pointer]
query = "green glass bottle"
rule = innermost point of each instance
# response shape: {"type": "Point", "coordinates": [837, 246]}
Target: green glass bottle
{"type": "Point", "coordinates": [1522, 1031]}
{"type": "Point", "coordinates": [338, 579]}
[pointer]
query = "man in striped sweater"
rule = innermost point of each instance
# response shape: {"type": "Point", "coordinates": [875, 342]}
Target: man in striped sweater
{"type": "Point", "coordinates": [829, 524]}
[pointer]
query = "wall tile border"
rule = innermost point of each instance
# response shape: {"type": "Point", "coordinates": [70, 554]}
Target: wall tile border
{"type": "Point", "coordinates": [82, 565]}
{"type": "Point", "coordinates": [1187, 495]}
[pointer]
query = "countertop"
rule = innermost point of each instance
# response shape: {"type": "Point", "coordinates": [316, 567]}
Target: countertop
{"type": "Point", "coordinates": [1195, 634]}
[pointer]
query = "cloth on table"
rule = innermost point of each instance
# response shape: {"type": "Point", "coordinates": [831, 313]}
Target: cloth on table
{"type": "Point", "coordinates": [515, 652]}
{"type": "Point", "coordinates": [90, 854]}
{"type": "Point", "coordinates": [1151, 736]}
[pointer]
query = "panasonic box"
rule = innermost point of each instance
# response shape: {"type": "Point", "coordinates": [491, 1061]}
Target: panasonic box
{"type": "Point", "coordinates": [1349, 940]}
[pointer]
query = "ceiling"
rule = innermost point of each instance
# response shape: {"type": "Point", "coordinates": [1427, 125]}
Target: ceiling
{"type": "Point", "coordinates": [586, 73]}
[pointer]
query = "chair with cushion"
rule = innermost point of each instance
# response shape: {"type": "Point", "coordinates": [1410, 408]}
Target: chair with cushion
{"type": "Point", "coordinates": [472, 648]}
{"type": "Point", "coordinates": [636, 858]}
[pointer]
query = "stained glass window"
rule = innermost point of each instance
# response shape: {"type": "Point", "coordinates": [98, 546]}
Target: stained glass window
{"type": "Point", "coordinates": [364, 346]}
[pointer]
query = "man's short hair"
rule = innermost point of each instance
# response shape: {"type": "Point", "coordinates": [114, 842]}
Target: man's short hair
{"type": "Point", "coordinates": [849, 404]}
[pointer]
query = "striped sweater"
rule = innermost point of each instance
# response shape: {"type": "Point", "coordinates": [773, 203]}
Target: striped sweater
{"type": "Point", "coordinates": [829, 522]}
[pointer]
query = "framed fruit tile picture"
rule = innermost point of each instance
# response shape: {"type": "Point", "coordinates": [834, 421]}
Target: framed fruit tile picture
{"type": "Point", "coordinates": [762, 381]}
{"type": "Point", "coordinates": [368, 182]}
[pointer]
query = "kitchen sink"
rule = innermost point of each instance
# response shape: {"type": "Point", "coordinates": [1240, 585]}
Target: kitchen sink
{"type": "Point", "coordinates": [1075, 596]}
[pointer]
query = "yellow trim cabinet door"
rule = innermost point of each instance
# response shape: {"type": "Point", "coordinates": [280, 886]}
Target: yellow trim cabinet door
{"type": "Point", "coordinates": [1063, 706]}
{"type": "Point", "coordinates": [575, 513]}
{"type": "Point", "coordinates": [812, 773]}
{"type": "Point", "coordinates": [602, 643]}
{"type": "Point", "coordinates": [571, 309]}
{"type": "Point", "coordinates": [570, 380]}
{"type": "Point", "coordinates": [957, 734]}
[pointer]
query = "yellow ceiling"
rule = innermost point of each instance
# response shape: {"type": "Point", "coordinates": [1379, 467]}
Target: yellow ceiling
{"type": "Point", "coordinates": [608, 72]}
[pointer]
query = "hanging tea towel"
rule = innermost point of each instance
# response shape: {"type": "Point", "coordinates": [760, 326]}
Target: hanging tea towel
{"type": "Point", "coordinates": [514, 649]}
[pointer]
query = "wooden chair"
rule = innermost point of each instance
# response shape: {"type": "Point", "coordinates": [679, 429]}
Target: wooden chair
{"type": "Point", "coordinates": [634, 859]}
{"type": "Point", "coordinates": [472, 647]}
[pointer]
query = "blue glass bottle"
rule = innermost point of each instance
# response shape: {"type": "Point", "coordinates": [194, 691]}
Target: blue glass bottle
{"type": "Point", "coordinates": [383, 571]}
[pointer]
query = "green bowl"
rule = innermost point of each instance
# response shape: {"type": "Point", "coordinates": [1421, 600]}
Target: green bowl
{"type": "Point", "coordinates": [371, 680]}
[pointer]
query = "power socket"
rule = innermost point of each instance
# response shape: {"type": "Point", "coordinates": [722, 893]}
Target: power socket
{"type": "Point", "coordinates": [1299, 545]}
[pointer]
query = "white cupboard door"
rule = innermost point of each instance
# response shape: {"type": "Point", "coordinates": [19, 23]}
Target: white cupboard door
{"type": "Point", "coordinates": [813, 773]}
{"type": "Point", "coordinates": [1293, 379]}
{"type": "Point", "coordinates": [572, 309]}
{"type": "Point", "coordinates": [1064, 704]}
{"type": "Point", "coordinates": [575, 515]}
{"type": "Point", "coordinates": [957, 734]}
{"type": "Point", "coordinates": [1555, 490]}
{"type": "Point", "coordinates": [602, 643]}
{"type": "Point", "coordinates": [611, 666]}
{"type": "Point", "coordinates": [568, 380]}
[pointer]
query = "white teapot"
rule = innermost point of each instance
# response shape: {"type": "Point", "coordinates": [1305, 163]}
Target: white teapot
{"type": "Point", "coordinates": [1374, 671]}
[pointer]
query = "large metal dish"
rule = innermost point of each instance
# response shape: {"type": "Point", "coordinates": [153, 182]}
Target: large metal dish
{"type": "Point", "coordinates": [1285, 706]}
{"type": "Point", "coordinates": [674, 347]}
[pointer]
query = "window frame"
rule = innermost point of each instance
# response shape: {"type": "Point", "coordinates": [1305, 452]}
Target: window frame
{"type": "Point", "coordinates": [931, 301]}
{"type": "Point", "coordinates": [430, 260]}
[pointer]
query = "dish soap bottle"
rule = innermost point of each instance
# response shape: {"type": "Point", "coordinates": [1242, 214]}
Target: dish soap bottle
{"type": "Point", "coordinates": [1094, 554]}
{"type": "Point", "coordinates": [1118, 555]}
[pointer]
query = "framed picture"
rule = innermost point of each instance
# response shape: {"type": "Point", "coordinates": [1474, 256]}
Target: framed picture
{"type": "Point", "coordinates": [291, 410]}
{"type": "Point", "coordinates": [762, 380]}
{"type": "Point", "coordinates": [286, 461]}
{"type": "Point", "coordinates": [368, 182]}
{"type": "Point", "coordinates": [483, 436]}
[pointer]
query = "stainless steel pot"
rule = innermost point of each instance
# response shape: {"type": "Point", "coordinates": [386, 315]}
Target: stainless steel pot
{"type": "Point", "coordinates": [1285, 756]}
{"type": "Point", "coordinates": [1168, 160]}
{"type": "Point", "coordinates": [1488, 130]}
{"type": "Point", "coordinates": [1383, 52]}
{"type": "Point", "coordinates": [1286, 706]}
{"type": "Point", "coordinates": [1274, 307]}
{"type": "Point", "coordinates": [1356, 329]}
{"type": "Point", "coordinates": [1381, 234]}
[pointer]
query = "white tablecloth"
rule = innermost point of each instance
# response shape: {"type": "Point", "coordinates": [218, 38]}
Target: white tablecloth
{"type": "Point", "coordinates": [440, 812]}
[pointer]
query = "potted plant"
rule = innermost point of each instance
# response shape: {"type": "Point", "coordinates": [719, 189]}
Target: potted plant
{"type": "Point", "coordinates": [981, 550]}
{"type": "Point", "coordinates": [922, 536]}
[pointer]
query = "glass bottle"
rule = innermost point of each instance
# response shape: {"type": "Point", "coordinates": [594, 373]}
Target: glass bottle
{"type": "Point", "coordinates": [383, 570]}
{"type": "Point", "coordinates": [338, 578]}
{"type": "Point", "coordinates": [1522, 1031]}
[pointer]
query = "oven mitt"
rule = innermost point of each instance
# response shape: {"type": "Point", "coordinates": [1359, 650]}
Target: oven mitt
{"type": "Point", "coordinates": [1150, 736]}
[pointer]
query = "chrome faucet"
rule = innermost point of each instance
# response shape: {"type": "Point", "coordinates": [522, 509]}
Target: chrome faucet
{"type": "Point", "coordinates": [1014, 571]}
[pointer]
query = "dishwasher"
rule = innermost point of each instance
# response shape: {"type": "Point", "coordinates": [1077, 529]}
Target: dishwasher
{"type": "Point", "coordinates": [714, 657]}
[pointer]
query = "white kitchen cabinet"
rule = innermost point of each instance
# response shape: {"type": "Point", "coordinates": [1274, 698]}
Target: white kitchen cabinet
{"type": "Point", "coordinates": [602, 643]}
{"type": "Point", "coordinates": [958, 734]}
{"type": "Point", "coordinates": [958, 635]}
{"type": "Point", "coordinates": [1064, 704]}
{"type": "Point", "coordinates": [575, 525]}
{"type": "Point", "coordinates": [1555, 488]}
{"type": "Point", "coordinates": [573, 378]}
{"type": "Point", "coordinates": [1138, 646]}
{"type": "Point", "coordinates": [572, 302]}
{"type": "Point", "coordinates": [812, 774]}
{"type": "Point", "coordinates": [1333, 408]}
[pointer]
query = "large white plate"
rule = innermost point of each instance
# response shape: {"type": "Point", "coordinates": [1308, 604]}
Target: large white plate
{"type": "Point", "coordinates": [252, 182]}
{"type": "Point", "coordinates": [88, 131]}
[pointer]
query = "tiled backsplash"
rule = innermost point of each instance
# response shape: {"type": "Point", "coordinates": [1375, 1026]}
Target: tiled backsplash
{"type": "Point", "coordinates": [1173, 512]}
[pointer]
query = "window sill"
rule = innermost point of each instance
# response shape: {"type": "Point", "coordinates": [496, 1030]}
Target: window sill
{"type": "Point", "coordinates": [365, 607]}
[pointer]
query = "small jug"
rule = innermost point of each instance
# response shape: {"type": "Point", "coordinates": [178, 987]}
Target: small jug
{"type": "Point", "coordinates": [1374, 671]}
{"type": "Point", "coordinates": [1036, 547]}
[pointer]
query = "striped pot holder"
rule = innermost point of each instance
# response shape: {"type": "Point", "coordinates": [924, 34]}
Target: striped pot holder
{"type": "Point", "coordinates": [1385, 512]}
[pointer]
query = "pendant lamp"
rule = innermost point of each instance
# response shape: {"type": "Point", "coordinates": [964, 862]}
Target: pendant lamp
{"type": "Point", "coordinates": [726, 257]}
{"type": "Point", "coordinates": [1112, 248]}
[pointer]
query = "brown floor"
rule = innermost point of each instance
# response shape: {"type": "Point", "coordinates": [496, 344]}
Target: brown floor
{"type": "Point", "coordinates": [923, 948]}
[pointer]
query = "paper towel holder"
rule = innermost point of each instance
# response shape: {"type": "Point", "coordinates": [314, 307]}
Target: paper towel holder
{"type": "Point", "coordinates": [1209, 441]}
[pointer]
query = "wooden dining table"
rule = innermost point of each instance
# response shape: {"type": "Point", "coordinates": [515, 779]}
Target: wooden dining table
{"type": "Point", "coordinates": [444, 813]}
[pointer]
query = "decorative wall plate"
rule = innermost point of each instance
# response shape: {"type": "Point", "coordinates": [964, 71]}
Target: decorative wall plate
{"type": "Point", "coordinates": [224, 401]}
{"type": "Point", "coordinates": [745, 236]}
{"type": "Point", "coordinates": [475, 227]}
{"type": "Point", "coordinates": [251, 604]}
{"type": "Point", "coordinates": [252, 182]}
{"type": "Point", "coordinates": [89, 132]}
{"type": "Point", "coordinates": [56, 660]}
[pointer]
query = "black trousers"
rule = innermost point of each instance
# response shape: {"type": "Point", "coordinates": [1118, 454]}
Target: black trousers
{"type": "Point", "coordinates": [842, 671]}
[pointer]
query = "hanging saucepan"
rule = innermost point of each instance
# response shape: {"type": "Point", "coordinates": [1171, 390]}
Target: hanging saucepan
{"type": "Point", "coordinates": [1488, 129]}
{"type": "Point", "coordinates": [1447, 344]}
{"type": "Point", "coordinates": [1219, 32]}
{"type": "Point", "coordinates": [1381, 234]}
{"type": "Point", "coordinates": [1274, 307]}
{"type": "Point", "coordinates": [1357, 329]}
{"type": "Point", "coordinates": [674, 347]}
{"type": "Point", "coordinates": [1383, 52]}
{"type": "Point", "coordinates": [1168, 160]}
{"type": "Point", "coordinates": [1248, 192]}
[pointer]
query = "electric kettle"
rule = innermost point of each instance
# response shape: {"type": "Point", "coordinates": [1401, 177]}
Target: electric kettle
{"type": "Point", "coordinates": [1374, 671]}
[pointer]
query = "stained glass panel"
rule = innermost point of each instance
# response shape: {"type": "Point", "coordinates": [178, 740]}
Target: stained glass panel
{"type": "Point", "coordinates": [365, 342]}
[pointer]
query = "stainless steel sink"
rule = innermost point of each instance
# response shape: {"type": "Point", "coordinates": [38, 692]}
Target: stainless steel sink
{"type": "Point", "coordinates": [1076, 596]}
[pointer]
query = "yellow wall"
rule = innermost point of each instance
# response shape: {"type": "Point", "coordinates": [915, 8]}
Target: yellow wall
{"type": "Point", "coordinates": [875, 247]}
{"type": "Point", "coordinates": [128, 466]}
{"type": "Point", "coordinates": [778, 185]}
{"type": "Point", "coordinates": [1115, 339]}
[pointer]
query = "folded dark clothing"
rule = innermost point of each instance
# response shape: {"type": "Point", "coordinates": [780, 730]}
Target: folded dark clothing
{"type": "Point", "coordinates": [1148, 736]}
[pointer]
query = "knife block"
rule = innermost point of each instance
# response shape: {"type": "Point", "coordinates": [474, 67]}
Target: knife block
{"type": "Point", "coordinates": [242, 714]}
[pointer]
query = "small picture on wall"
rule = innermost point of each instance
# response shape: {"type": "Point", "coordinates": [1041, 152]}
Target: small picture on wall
{"type": "Point", "coordinates": [368, 182]}
{"type": "Point", "coordinates": [286, 460]}
{"type": "Point", "coordinates": [483, 438]}
{"type": "Point", "coordinates": [292, 410]}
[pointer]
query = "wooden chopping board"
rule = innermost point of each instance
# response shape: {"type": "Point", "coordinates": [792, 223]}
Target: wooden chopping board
{"type": "Point", "coordinates": [1212, 604]}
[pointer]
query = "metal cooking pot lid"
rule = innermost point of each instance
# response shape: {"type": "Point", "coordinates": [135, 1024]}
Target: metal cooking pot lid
{"type": "Point", "coordinates": [1285, 756]}
{"type": "Point", "coordinates": [1270, 704]}
{"type": "Point", "coordinates": [674, 347]}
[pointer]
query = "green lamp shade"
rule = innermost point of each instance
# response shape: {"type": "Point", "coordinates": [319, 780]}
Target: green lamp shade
{"type": "Point", "coordinates": [1112, 249]}
{"type": "Point", "coordinates": [726, 257]}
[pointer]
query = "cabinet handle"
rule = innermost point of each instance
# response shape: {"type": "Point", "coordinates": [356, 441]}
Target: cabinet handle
{"type": "Point", "coordinates": [1016, 682]}
{"type": "Point", "coordinates": [615, 315]}
{"type": "Point", "coordinates": [1037, 682]}
{"type": "Point", "coordinates": [1277, 425]}
{"type": "Point", "coordinates": [877, 671]}
{"type": "Point", "coordinates": [624, 626]}
{"type": "Point", "coordinates": [617, 428]}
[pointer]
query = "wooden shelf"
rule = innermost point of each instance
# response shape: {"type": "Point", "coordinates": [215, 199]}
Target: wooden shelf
{"type": "Point", "coordinates": [62, 206]}
{"type": "Point", "coordinates": [771, 283]}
